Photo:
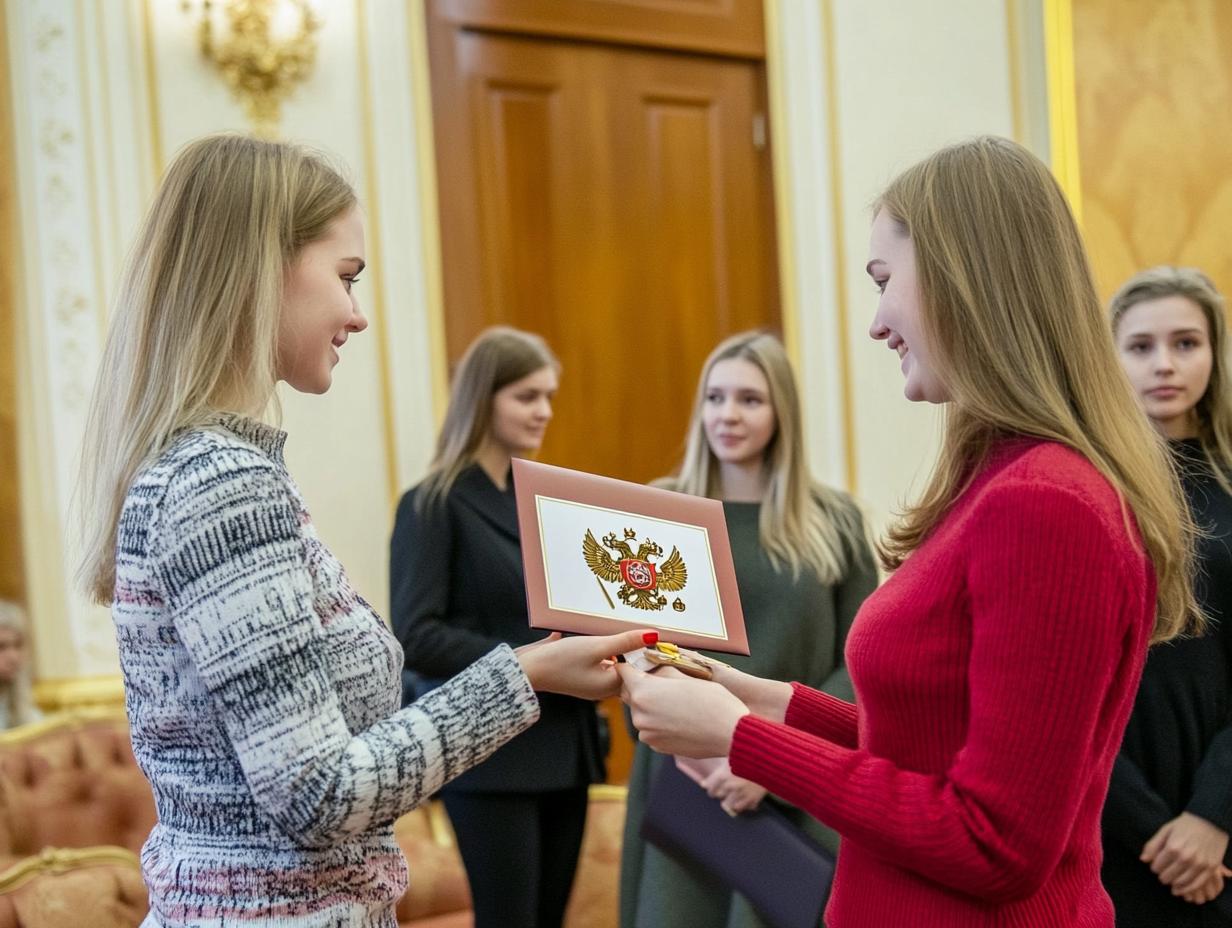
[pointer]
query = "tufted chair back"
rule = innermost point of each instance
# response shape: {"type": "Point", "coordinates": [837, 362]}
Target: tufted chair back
{"type": "Point", "coordinates": [71, 781]}
{"type": "Point", "coordinates": [96, 887]}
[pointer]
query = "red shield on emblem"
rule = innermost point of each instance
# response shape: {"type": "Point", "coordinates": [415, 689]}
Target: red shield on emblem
{"type": "Point", "coordinates": [638, 574]}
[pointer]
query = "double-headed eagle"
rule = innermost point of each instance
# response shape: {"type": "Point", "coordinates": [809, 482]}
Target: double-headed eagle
{"type": "Point", "coordinates": [642, 581]}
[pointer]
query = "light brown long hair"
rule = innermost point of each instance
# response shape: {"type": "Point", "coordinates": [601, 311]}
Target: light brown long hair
{"type": "Point", "coordinates": [1010, 308]}
{"type": "Point", "coordinates": [194, 331]}
{"type": "Point", "coordinates": [501, 355]}
{"type": "Point", "coordinates": [1214, 409]}
{"type": "Point", "coordinates": [802, 523]}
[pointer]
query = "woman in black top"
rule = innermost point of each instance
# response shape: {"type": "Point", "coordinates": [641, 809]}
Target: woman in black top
{"type": "Point", "coordinates": [1169, 808]}
{"type": "Point", "coordinates": [457, 591]}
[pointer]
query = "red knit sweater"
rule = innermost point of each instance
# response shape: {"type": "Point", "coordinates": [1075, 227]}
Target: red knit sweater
{"type": "Point", "coordinates": [994, 675]}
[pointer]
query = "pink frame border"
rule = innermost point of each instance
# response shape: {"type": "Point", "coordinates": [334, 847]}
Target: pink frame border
{"type": "Point", "coordinates": [531, 480]}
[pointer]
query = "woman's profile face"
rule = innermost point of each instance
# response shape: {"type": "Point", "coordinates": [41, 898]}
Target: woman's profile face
{"type": "Point", "coordinates": [522, 410]}
{"type": "Point", "coordinates": [1165, 348]}
{"type": "Point", "coordinates": [319, 310]}
{"type": "Point", "coordinates": [737, 414]}
{"type": "Point", "coordinates": [898, 321]}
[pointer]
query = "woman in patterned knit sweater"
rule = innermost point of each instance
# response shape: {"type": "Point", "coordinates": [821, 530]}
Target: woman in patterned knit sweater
{"type": "Point", "coordinates": [995, 670]}
{"type": "Point", "coordinates": [262, 690]}
{"type": "Point", "coordinates": [1169, 808]}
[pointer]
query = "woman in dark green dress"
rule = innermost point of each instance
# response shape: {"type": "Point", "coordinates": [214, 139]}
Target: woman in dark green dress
{"type": "Point", "coordinates": [803, 567]}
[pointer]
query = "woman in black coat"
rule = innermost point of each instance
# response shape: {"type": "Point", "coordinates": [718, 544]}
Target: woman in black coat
{"type": "Point", "coordinates": [457, 591]}
{"type": "Point", "coordinates": [1169, 809]}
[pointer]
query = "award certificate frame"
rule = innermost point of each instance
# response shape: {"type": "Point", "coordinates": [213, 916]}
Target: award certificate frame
{"type": "Point", "coordinates": [602, 556]}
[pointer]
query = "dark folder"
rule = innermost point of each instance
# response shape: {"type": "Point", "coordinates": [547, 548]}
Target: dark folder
{"type": "Point", "coordinates": [783, 872]}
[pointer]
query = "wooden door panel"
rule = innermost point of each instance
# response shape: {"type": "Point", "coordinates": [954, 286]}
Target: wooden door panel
{"type": "Point", "coordinates": [724, 27]}
{"type": "Point", "coordinates": [610, 198]}
{"type": "Point", "coordinates": [704, 183]}
{"type": "Point", "coordinates": [509, 174]}
{"type": "Point", "coordinates": [613, 200]}
{"type": "Point", "coordinates": [698, 216]}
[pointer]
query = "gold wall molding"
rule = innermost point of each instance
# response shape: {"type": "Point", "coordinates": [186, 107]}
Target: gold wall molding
{"type": "Point", "coordinates": [1062, 100]}
{"type": "Point", "coordinates": [840, 250]}
{"type": "Point", "coordinates": [380, 322]}
{"type": "Point", "coordinates": [12, 559]}
{"type": "Point", "coordinates": [808, 188]}
{"type": "Point", "coordinates": [57, 115]}
{"type": "Point", "coordinates": [425, 159]}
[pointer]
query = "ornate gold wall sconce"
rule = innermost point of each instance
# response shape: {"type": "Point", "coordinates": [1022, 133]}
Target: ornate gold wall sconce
{"type": "Point", "coordinates": [261, 64]}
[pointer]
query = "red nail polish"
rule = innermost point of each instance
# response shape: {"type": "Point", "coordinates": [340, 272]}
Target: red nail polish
{"type": "Point", "coordinates": [650, 639]}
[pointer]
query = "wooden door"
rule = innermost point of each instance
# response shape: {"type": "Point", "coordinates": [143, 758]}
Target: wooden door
{"type": "Point", "coordinates": [615, 199]}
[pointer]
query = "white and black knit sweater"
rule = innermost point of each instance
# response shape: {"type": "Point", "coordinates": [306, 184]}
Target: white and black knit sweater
{"type": "Point", "coordinates": [262, 695]}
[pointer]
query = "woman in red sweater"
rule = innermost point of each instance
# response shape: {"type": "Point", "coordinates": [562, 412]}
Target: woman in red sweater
{"type": "Point", "coordinates": [995, 670]}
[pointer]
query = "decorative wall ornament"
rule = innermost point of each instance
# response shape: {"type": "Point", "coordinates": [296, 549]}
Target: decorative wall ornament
{"type": "Point", "coordinates": [261, 67]}
{"type": "Point", "coordinates": [63, 291]}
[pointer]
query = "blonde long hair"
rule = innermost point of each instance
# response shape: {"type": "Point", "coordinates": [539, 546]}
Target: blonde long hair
{"type": "Point", "coordinates": [194, 331]}
{"type": "Point", "coordinates": [499, 356]}
{"type": "Point", "coordinates": [1214, 409]}
{"type": "Point", "coordinates": [1011, 311]}
{"type": "Point", "coordinates": [803, 524]}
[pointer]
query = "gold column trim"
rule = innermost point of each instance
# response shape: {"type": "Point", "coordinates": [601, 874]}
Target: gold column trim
{"type": "Point", "coordinates": [73, 693]}
{"type": "Point", "coordinates": [429, 219]}
{"type": "Point", "coordinates": [1013, 46]}
{"type": "Point", "coordinates": [380, 321]}
{"type": "Point", "coordinates": [1063, 100]}
{"type": "Point", "coordinates": [62, 860]}
{"type": "Point", "coordinates": [840, 247]}
{"type": "Point", "coordinates": [151, 88]}
{"type": "Point", "coordinates": [784, 230]}
{"type": "Point", "coordinates": [789, 297]}
{"type": "Point", "coordinates": [93, 180]}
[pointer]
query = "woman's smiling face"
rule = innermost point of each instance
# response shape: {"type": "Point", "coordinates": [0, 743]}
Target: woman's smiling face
{"type": "Point", "coordinates": [898, 320]}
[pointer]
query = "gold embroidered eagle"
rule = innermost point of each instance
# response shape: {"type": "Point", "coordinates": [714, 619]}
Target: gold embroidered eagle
{"type": "Point", "coordinates": [642, 581]}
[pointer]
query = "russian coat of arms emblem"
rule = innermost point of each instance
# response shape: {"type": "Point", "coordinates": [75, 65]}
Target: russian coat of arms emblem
{"type": "Point", "coordinates": [643, 580]}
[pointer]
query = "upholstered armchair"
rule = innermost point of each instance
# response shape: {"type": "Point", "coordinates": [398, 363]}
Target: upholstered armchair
{"type": "Point", "coordinates": [75, 810]}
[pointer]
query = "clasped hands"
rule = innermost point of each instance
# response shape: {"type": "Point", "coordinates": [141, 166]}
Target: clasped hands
{"type": "Point", "coordinates": [734, 794]}
{"type": "Point", "coordinates": [1187, 854]}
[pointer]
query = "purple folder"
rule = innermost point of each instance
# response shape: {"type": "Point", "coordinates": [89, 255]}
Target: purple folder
{"type": "Point", "coordinates": [783, 872]}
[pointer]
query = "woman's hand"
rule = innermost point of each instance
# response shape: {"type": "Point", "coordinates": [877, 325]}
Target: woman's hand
{"type": "Point", "coordinates": [581, 666]}
{"type": "Point", "coordinates": [767, 698]}
{"type": "Point", "coordinates": [735, 794]}
{"type": "Point", "coordinates": [1211, 887]}
{"type": "Point", "coordinates": [675, 714]}
{"type": "Point", "coordinates": [698, 768]}
{"type": "Point", "coordinates": [1185, 852]}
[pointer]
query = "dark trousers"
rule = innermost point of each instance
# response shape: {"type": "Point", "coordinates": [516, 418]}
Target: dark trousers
{"type": "Point", "coordinates": [520, 851]}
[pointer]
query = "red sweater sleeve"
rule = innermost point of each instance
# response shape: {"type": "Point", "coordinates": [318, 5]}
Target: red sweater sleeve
{"type": "Point", "coordinates": [1052, 627]}
{"type": "Point", "coordinates": [822, 715]}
